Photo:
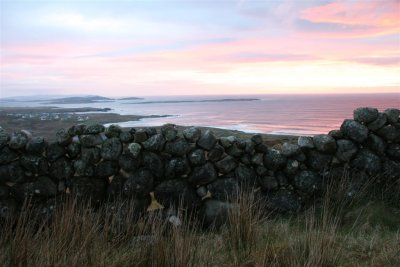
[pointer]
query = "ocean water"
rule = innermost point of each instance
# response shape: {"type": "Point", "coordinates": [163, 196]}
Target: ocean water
{"type": "Point", "coordinates": [273, 114]}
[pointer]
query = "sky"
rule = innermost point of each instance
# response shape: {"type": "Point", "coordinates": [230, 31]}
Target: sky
{"type": "Point", "coordinates": [195, 47]}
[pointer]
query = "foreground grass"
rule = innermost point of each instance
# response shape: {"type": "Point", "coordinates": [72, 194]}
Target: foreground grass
{"type": "Point", "coordinates": [330, 234]}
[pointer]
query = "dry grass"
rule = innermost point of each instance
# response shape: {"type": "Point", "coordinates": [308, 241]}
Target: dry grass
{"type": "Point", "coordinates": [336, 232]}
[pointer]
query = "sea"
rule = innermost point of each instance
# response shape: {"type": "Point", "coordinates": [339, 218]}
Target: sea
{"type": "Point", "coordinates": [271, 114]}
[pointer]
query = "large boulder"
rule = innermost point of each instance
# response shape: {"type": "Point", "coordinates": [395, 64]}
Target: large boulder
{"type": "Point", "coordinates": [55, 151]}
{"type": "Point", "coordinates": [36, 145]}
{"type": "Point", "coordinates": [390, 133]}
{"type": "Point", "coordinates": [91, 155]}
{"type": "Point", "coordinates": [346, 150]}
{"type": "Point", "coordinates": [178, 147]}
{"type": "Point", "coordinates": [176, 168]}
{"type": "Point", "coordinates": [134, 149]}
{"type": "Point", "coordinates": [177, 193]}
{"type": "Point", "coordinates": [90, 140]}
{"type": "Point", "coordinates": [354, 130]}
{"type": "Point", "coordinates": [140, 136]}
{"type": "Point", "coordinates": [169, 132]}
{"type": "Point", "coordinates": [78, 129]}
{"type": "Point", "coordinates": [34, 163]}
{"type": "Point", "coordinates": [202, 175]}
{"type": "Point", "coordinates": [393, 115]}
{"type": "Point", "coordinates": [126, 137]}
{"type": "Point", "coordinates": [365, 115]}
{"type": "Point", "coordinates": [257, 139]}
{"type": "Point", "coordinates": [83, 168]}
{"type": "Point", "coordinates": [63, 137]}
{"type": "Point", "coordinates": [246, 176]}
{"type": "Point", "coordinates": [274, 160]}
{"type": "Point", "coordinates": [224, 189]}
{"type": "Point", "coordinates": [153, 163]}
{"type": "Point", "coordinates": [113, 130]}
{"type": "Point", "coordinates": [325, 143]}
{"type": "Point", "coordinates": [155, 143]}
{"type": "Point", "coordinates": [216, 153]}
{"type": "Point", "coordinates": [128, 163]}
{"type": "Point", "coordinates": [7, 155]}
{"type": "Point", "coordinates": [139, 184]}
{"type": "Point", "coordinates": [308, 182]}
{"type": "Point", "coordinates": [94, 129]}
{"type": "Point", "coordinates": [192, 134]}
{"type": "Point", "coordinates": [318, 161]}
{"type": "Point", "coordinates": [292, 166]}
{"type": "Point", "coordinates": [12, 173]}
{"type": "Point", "coordinates": [305, 142]}
{"type": "Point", "coordinates": [226, 165]}
{"type": "Point", "coordinates": [268, 181]}
{"type": "Point", "coordinates": [368, 161]}
{"type": "Point", "coordinates": [18, 140]}
{"type": "Point", "coordinates": [378, 123]}
{"type": "Point", "coordinates": [197, 157]}
{"type": "Point", "coordinates": [376, 144]}
{"type": "Point", "coordinates": [111, 149]}
{"type": "Point", "coordinates": [227, 141]}
{"type": "Point", "coordinates": [74, 149]}
{"type": "Point", "coordinates": [289, 149]}
{"type": "Point", "coordinates": [393, 151]}
{"type": "Point", "coordinates": [207, 140]}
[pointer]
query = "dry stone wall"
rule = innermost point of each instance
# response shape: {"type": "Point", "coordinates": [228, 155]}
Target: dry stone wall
{"type": "Point", "coordinates": [192, 167]}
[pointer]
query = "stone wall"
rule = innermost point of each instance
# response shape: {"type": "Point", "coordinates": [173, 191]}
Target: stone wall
{"type": "Point", "coordinates": [195, 168]}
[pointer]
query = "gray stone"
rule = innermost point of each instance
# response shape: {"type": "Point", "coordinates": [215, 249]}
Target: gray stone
{"type": "Point", "coordinates": [376, 144]}
{"type": "Point", "coordinates": [85, 188]}
{"type": "Point", "coordinates": [216, 153]}
{"type": "Point", "coordinates": [83, 168]}
{"type": "Point", "coordinates": [153, 163]}
{"type": "Point", "coordinates": [226, 165]}
{"type": "Point", "coordinates": [337, 134]}
{"type": "Point", "coordinates": [305, 142]}
{"type": "Point", "coordinates": [113, 130]}
{"type": "Point", "coordinates": [4, 137]}
{"type": "Point", "coordinates": [308, 182]}
{"type": "Point", "coordinates": [12, 173]}
{"type": "Point", "coordinates": [61, 169]}
{"type": "Point", "coordinates": [55, 151]}
{"type": "Point", "coordinates": [318, 161]}
{"type": "Point", "coordinates": [63, 137]}
{"type": "Point", "coordinates": [140, 136]}
{"type": "Point", "coordinates": [284, 201]}
{"type": "Point", "coordinates": [346, 150]}
{"type": "Point", "coordinates": [224, 189]}
{"type": "Point", "coordinates": [197, 157]}
{"type": "Point", "coordinates": [36, 145]}
{"type": "Point", "coordinates": [78, 129]}
{"type": "Point", "coordinates": [178, 147]}
{"type": "Point", "coordinates": [365, 115]}
{"type": "Point", "coordinates": [378, 123]}
{"type": "Point", "coordinates": [227, 141]}
{"type": "Point", "coordinates": [249, 147]}
{"type": "Point", "coordinates": [257, 139]}
{"type": "Point", "coordinates": [393, 115]}
{"type": "Point", "coordinates": [150, 131]}
{"type": "Point", "coordinates": [257, 159]}
{"type": "Point", "coordinates": [207, 140]}
{"type": "Point", "coordinates": [354, 130]}
{"type": "Point", "coordinates": [91, 155]}
{"type": "Point", "coordinates": [201, 192]}
{"type": "Point", "coordinates": [234, 150]}
{"type": "Point", "coordinates": [246, 177]}
{"type": "Point", "coordinates": [128, 163]}
{"type": "Point", "coordinates": [176, 168]}
{"type": "Point", "coordinates": [262, 148]}
{"type": "Point", "coordinates": [34, 163]}
{"type": "Point", "coordinates": [134, 149]}
{"type": "Point", "coordinates": [202, 175]}
{"type": "Point", "coordinates": [390, 133]}
{"type": "Point", "coordinates": [106, 168]}
{"type": "Point", "coordinates": [111, 149]}
{"type": "Point", "coordinates": [139, 184]}
{"type": "Point", "coordinates": [74, 149]}
{"type": "Point", "coordinates": [391, 169]}
{"type": "Point", "coordinates": [368, 161]}
{"type": "Point", "coordinates": [155, 143]}
{"type": "Point", "coordinates": [90, 140]}
{"type": "Point", "coordinates": [192, 134]}
{"type": "Point", "coordinates": [261, 170]}
{"type": "Point", "coordinates": [7, 155]}
{"type": "Point", "coordinates": [94, 129]}
{"type": "Point", "coordinates": [292, 166]}
{"type": "Point", "coordinates": [325, 143]}
{"type": "Point", "coordinates": [126, 137]}
{"type": "Point", "coordinates": [268, 182]}
{"type": "Point", "coordinates": [18, 140]}
{"type": "Point", "coordinates": [169, 132]}
{"type": "Point", "coordinates": [274, 160]}
{"type": "Point", "coordinates": [393, 151]}
{"type": "Point", "coordinates": [177, 193]}
{"type": "Point", "coordinates": [245, 159]}
{"type": "Point", "coordinates": [216, 213]}
{"type": "Point", "coordinates": [289, 150]}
